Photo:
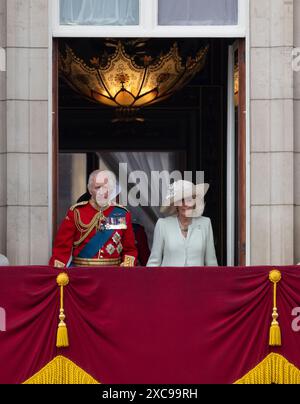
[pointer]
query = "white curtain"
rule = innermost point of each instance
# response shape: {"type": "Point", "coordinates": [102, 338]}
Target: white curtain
{"type": "Point", "coordinates": [99, 12]}
{"type": "Point", "coordinates": [198, 12]}
{"type": "Point", "coordinates": [146, 162]}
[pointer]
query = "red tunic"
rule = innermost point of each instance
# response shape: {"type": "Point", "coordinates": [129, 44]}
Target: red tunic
{"type": "Point", "coordinates": [74, 234]}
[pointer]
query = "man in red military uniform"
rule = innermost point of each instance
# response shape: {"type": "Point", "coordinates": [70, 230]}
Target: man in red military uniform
{"type": "Point", "coordinates": [97, 232]}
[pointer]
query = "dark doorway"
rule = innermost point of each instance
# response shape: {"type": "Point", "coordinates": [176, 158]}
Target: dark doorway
{"type": "Point", "coordinates": [192, 125]}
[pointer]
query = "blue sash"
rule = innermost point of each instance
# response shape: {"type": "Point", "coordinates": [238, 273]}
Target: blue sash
{"type": "Point", "coordinates": [100, 238]}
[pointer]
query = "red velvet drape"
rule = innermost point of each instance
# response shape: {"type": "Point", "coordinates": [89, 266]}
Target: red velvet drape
{"type": "Point", "coordinates": [175, 325]}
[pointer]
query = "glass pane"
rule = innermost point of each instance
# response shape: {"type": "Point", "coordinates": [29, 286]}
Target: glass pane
{"type": "Point", "coordinates": [198, 12]}
{"type": "Point", "coordinates": [99, 12]}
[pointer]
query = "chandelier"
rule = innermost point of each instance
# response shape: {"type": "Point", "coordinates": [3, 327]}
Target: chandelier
{"type": "Point", "coordinates": [118, 80]}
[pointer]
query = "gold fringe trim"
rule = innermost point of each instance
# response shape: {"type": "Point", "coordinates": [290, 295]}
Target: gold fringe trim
{"type": "Point", "coordinates": [61, 371]}
{"type": "Point", "coordinates": [274, 369]}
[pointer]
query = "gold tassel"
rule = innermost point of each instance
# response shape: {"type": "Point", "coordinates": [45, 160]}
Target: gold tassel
{"type": "Point", "coordinates": [62, 332]}
{"type": "Point", "coordinates": [275, 333]}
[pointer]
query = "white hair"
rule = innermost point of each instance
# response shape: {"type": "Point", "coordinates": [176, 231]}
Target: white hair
{"type": "Point", "coordinates": [110, 176]}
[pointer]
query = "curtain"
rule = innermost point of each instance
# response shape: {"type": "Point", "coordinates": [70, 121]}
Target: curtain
{"type": "Point", "coordinates": [99, 12]}
{"type": "Point", "coordinates": [145, 162]}
{"type": "Point", "coordinates": [153, 326]}
{"type": "Point", "coordinates": [198, 12]}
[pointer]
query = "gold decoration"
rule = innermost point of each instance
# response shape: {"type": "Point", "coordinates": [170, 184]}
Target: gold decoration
{"type": "Point", "coordinates": [92, 262]}
{"type": "Point", "coordinates": [61, 371]}
{"type": "Point", "coordinates": [275, 276]}
{"type": "Point", "coordinates": [275, 333]}
{"type": "Point", "coordinates": [128, 261]}
{"type": "Point", "coordinates": [236, 84]}
{"type": "Point", "coordinates": [78, 205]}
{"type": "Point", "coordinates": [121, 83]}
{"type": "Point", "coordinates": [62, 332]}
{"type": "Point", "coordinates": [274, 369]}
{"type": "Point", "coordinates": [87, 229]}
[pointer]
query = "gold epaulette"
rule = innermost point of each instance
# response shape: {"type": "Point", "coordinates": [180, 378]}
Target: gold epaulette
{"type": "Point", "coordinates": [79, 204]}
{"type": "Point", "coordinates": [120, 206]}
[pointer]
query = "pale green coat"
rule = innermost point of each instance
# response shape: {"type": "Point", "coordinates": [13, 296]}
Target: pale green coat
{"type": "Point", "coordinates": [172, 249]}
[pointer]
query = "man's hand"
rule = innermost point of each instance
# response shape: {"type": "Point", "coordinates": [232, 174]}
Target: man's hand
{"type": "Point", "coordinates": [128, 261]}
{"type": "Point", "coordinates": [59, 264]}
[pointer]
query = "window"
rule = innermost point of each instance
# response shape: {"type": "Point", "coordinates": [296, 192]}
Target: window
{"type": "Point", "coordinates": [150, 18]}
{"type": "Point", "coordinates": [197, 12]}
{"type": "Point", "coordinates": [99, 12]}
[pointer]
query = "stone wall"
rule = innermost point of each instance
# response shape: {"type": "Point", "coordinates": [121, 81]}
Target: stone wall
{"type": "Point", "coordinates": [27, 131]}
{"type": "Point", "coordinates": [297, 134]}
{"type": "Point", "coordinates": [272, 132]}
{"type": "Point", "coordinates": [3, 155]}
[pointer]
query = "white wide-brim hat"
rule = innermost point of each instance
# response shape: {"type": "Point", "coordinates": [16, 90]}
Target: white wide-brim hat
{"type": "Point", "coordinates": [184, 190]}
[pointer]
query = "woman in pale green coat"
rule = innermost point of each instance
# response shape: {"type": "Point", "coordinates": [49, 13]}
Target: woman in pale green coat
{"type": "Point", "coordinates": [184, 238]}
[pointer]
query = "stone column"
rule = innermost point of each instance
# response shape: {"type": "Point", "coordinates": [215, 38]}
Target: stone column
{"type": "Point", "coordinates": [27, 132]}
{"type": "Point", "coordinates": [297, 134]}
{"type": "Point", "coordinates": [3, 155]}
{"type": "Point", "coordinates": [272, 137]}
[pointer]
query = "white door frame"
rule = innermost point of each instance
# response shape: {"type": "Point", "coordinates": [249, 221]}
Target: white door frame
{"type": "Point", "coordinates": [230, 161]}
{"type": "Point", "coordinates": [150, 28]}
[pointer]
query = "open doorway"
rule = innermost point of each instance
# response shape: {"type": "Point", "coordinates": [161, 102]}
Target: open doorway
{"type": "Point", "coordinates": [188, 131]}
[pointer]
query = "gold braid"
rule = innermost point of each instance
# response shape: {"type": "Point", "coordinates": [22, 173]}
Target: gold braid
{"type": "Point", "coordinates": [86, 229]}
